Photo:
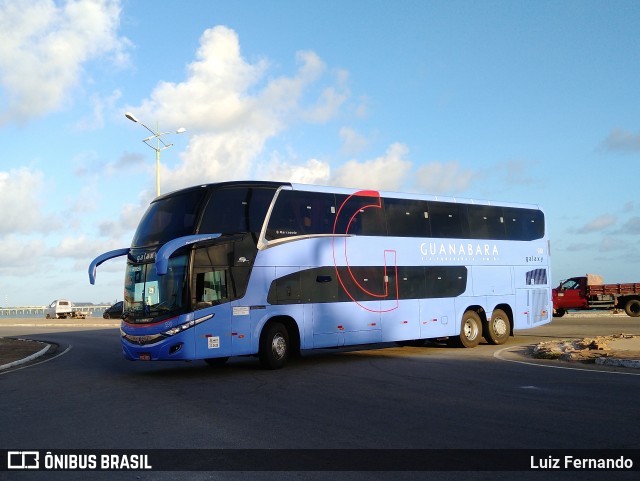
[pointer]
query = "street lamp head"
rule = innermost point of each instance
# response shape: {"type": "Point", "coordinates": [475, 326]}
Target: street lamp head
{"type": "Point", "coordinates": [131, 117]}
{"type": "Point", "coordinates": [181, 130]}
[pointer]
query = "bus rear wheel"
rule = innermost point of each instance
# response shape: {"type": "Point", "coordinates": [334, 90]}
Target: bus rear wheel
{"type": "Point", "coordinates": [497, 329]}
{"type": "Point", "coordinates": [274, 346]}
{"type": "Point", "coordinates": [470, 331]}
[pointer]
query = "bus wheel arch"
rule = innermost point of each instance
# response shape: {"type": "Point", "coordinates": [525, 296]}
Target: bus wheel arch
{"type": "Point", "coordinates": [279, 341]}
{"type": "Point", "coordinates": [499, 327]}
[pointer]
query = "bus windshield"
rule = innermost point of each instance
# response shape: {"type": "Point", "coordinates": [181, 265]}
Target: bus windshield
{"type": "Point", "coordinates": [148, 295]}
{"type": "Point", "coordinates": [168, 218]}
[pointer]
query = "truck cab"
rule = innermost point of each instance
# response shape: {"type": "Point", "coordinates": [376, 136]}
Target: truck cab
{"type": "Point", "coordinates": [570, 294]}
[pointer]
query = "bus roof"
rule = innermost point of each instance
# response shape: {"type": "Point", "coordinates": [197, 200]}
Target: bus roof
{"type": "Point", "coordinates": [349, 191]}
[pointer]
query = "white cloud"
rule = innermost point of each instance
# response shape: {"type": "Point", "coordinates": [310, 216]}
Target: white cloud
{"type": "Point", "coordinates": [329, 102]}
{"type": "Point", "coordinates": [352, 141]}
{"type": "Point", "coordinates": [231, 109]}
{"type": "Point", "coordinates": [43, 49]}
{"type": "Point", "coordinates": [215, 157]}
{"type": "Point", "coordinates": [599, 223]}
{"type": "Point", "coordinates": [96, 120]}
{"type": "Point", "coordinates": [19, 256]}
{"type": "Point", "coordinates": [518, 172]}
{"type": "Point", "coordinates": [444, 178]}
{"type": "Point", "coordinates": [613, 244]}
{"type": "Point", "coordinates": [126, 224]}
{"type": "Point", "coordinates": [621, 140]}
{"type": "Point", "coordinates": [215, 94]}
{"type": "Point", "coordinates": [388, 172]}
{"type": "Point", "coordinates": [632, 226]}
{"type": "Point", "coordinates": [76, 247]}
{"type": "Point", "coordinates": [20, 203]}
{"type": "Point", "coordinates": [312, 172]}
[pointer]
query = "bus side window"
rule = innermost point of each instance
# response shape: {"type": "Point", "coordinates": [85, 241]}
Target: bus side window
{"type": "Point", "coordinates": [524, 224]}
{"type": "Point", "coordinates": [283, 221]}
{"type": "Point", "coordinates": [360, 215]}
{"type": "Point", "coordinates": [448, 281]}
{"type": "Point", "coordinates": [407, 218]}
{"type": "Point", "coordinates": [486, 222]}
{"type": "Point", "coordinates": [448, 219]}
{"type": "Point", "coordinates": [211, 288]}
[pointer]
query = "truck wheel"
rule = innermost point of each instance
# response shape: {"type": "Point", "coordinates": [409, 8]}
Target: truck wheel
{"type": "Point", "coordinates": [470, 331]}
{"type": "Point", "coordinates": [632, 308]}
{"type": "Point", "coordinates": [274, 346]}
{"type": "Point", "coordinates": [498, 328]}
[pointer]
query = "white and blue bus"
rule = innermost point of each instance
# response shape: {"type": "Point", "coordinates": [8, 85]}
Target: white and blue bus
{"type": "Point", "coordinates": [270, 269]}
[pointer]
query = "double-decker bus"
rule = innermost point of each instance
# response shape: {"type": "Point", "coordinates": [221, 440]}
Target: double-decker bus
{"type": "Point", "coordinates": [270, 269]}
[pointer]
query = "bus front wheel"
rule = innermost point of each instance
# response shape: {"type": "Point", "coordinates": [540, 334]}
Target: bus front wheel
{"type": "Point", "coordinates": [470, 331]}
{"type": "Point", "coordinates": [274, 346]}
{"type": "Point", "coordinates": [498, 328]}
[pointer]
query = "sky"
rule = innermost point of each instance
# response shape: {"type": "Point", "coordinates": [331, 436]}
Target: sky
{"type": "Point", "coordinates": [521, 101]}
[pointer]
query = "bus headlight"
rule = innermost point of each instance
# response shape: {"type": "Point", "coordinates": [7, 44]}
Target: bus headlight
{"type": "Point", "coordinates": [187, 325]}
{"type": "Point", "coordinates": [154, 338]}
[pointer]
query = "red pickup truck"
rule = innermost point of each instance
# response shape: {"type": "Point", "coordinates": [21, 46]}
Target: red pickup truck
{"type": "Point", "coordinates": [589, 292]}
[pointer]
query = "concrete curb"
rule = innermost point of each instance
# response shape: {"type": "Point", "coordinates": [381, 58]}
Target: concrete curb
{"type": "Point", "coordinates": [24, 360]}
{"type": "Point", "coordinates": [610, 361]}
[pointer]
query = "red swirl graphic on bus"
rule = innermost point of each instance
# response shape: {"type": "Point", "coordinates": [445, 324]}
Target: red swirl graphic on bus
{"type": "Point", "coordinates": [350, 209]}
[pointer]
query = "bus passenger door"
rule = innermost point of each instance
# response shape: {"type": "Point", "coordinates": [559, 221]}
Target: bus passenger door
{"type": "Point", "coordinates": [212, 335]}
{"type": "Point", "coordinates": [211, 303]}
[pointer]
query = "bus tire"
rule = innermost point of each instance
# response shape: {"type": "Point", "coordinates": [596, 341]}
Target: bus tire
{"type": "Point", "coordinates": [632, 308]}
{"type": "Point", "coordinates": [497, 329]}
{"type": "Point", "coordinates": [470, 330]}
{"type": "Point", "coordinates": [559, 312]}
{"type": "Point", "coordinates": [274, 346]}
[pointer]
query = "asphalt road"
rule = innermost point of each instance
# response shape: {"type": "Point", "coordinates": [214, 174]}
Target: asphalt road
{"type": "Point", "coordinates": [85, 396]}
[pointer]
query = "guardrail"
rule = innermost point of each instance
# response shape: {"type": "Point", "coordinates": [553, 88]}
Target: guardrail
{"type": "Point", "coordinates": [22, 310]}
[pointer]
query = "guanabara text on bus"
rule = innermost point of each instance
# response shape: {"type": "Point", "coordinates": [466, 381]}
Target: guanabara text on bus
{"type": "Point", "coordinates": [271, 269]}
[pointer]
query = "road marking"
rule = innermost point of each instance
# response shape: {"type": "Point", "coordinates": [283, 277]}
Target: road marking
{"type": "Point", "coordinates": [498, 355]}
{"type": "Point", "coordinates": [36, 363]}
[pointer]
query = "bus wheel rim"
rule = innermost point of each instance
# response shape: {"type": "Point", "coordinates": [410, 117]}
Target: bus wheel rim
{"type": "Point", "coordinates": [499, 326]}
{"type": "Point", "coordinates": [470, 330]}
{"type": "Point", "coordinates": [279, 346]}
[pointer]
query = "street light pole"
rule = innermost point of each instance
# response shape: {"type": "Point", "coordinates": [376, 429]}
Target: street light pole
{"type": "Point", "coordinates": [159, 145]}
